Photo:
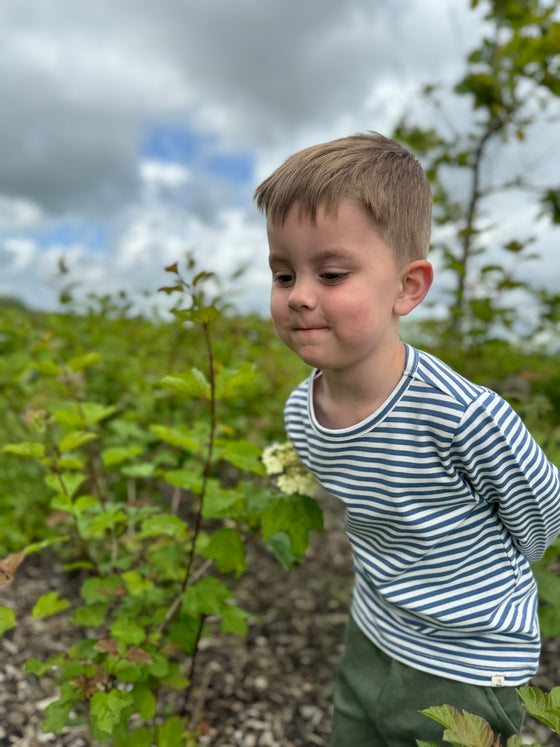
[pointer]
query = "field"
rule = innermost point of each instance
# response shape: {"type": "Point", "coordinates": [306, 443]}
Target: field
{"type": "Point", "coordinates": [163, 584]}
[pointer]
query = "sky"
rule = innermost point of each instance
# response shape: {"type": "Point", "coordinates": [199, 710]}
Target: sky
{"type": "Point", "coordinates": [132, 133]}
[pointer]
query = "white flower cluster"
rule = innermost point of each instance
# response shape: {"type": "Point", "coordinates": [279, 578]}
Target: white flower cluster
{"type": "Point", "coordinates": [282, 462]}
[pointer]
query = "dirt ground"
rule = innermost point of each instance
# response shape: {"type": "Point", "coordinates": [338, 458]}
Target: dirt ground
{"type": "Point", "coordinates": [272, 689]}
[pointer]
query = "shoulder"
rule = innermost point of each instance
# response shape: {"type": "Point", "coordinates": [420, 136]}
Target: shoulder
{"type": "Point", "coordinates": [298, 401]}
{"type": "Point", "coordinates": [432, 374]}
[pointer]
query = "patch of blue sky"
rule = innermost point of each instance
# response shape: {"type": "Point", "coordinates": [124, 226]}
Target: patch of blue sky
{"type": "Point", "coordinates": [200, 151]}
{"type": "Point", "coordinates": [93, 236]}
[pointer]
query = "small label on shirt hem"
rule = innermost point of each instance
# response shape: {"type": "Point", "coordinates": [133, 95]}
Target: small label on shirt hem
{"type": "Point", "coordinates": [498, 680]}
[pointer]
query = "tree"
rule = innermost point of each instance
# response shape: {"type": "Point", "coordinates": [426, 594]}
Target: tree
{"type": "Point", "coordinates": [512, 86]}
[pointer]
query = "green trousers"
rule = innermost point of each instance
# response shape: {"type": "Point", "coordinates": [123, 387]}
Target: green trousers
{"type": "Point", "coordinates": [377, 700]}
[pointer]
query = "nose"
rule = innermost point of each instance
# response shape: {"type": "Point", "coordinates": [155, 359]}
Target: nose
{"type": "Point", "coordinates": [302, 294]}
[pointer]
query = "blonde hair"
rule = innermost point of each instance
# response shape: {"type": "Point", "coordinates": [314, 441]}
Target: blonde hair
{"type": "Point", "coordinates": [369, 168]}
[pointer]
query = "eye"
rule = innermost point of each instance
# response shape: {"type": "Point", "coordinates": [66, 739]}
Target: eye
{"type": "Point", "coordinates": [283, 278]}
{"type": "Point", "coordinates": [334, 277]}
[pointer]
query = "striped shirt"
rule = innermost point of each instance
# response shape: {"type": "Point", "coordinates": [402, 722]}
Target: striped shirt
{"type": "Point", "coordinates": [448, 499]}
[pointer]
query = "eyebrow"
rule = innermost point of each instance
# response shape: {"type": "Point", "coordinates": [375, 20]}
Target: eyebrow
{"type": "Point", "coordinates": [320, 255]}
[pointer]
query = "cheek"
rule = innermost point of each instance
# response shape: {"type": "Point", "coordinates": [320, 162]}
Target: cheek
{"type": "Point", "coordinates": [278, 308]}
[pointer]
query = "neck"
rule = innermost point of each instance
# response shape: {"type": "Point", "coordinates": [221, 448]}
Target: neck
{"type": "Point", "coordinates": [342, 399]}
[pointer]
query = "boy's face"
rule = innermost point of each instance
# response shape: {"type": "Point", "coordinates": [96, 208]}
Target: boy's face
{"type": "Point", "coordinates": [335, 285]}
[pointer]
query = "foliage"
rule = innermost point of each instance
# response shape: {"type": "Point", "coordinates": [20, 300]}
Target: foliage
{"type": "Point", "coordinates": [153, 496]}
{"type": "Point", "coordinates": [511, 81]}
{"type": "Point", "coordinates": [464, 729]}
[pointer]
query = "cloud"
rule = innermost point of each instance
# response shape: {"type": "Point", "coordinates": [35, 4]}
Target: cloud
{"type": "Point", "coordinates": [131, 132]}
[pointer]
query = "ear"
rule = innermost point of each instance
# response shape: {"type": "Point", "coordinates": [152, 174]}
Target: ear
{"type": "Point", "coordinates": [416, 280]}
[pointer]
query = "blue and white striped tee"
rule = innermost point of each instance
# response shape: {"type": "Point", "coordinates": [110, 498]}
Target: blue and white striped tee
{"type": "Point", "coordinates": [448, 499]}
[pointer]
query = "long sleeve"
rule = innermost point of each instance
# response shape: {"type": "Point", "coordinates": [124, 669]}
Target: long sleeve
{"type": "Point", "coordinates": [498, 456]}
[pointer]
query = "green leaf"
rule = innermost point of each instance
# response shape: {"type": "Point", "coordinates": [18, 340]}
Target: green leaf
{"type": "Point", "coordinates": [543, 706]}
{"type": "Point", "coordinates": [222, 502]}
{"type": "Point", "coordinates": [136, 584]}
{"type": "Point", "coordinates": [549, 620]}
{"type": "Point", "coordinates": [229, 382]}
{"type": "Point", "coordinates": [192, 383]}
{"type": "Point", "coordinates": [65, 482]}
{"type": "Point", "coordinates": [207, 597]}
{"type": "Point", "coordinates": [91, 615]}
{"type": "Point", "coordinates": [139, 470]}
{"type": "Point", "coordinates": [75, 439]}
{"type": "Point", "coordinates": [174, 677]}
{"type": "Point", "coordinates": [106, 708]}
{"type": "Point", "coordinates": [226, 548]}
{"type": "Point", "coordinates": [170, 734]}
{"type": "Point", "coordinates": [57, 713]}
{"type": "Point", "coordinates": [7, 619]}
{"type": "Point", "coordinates": [26, 448]}
{"type": "Point", "coordinates": [549, 585]}
{"type": "Point", "coordinates": [464, 728]}
{"type": "Point", "coordinates": [39, 668]}
{"type": "Point", "coordinates": [185, 633]}
{"type": "Point", "coordinates": [117, 454]}
{"type": "Point", "coordinates": [49, 604]}
{"type": "Point", "coordinates": [145, 702]}
{"type": "Point", "coordinates": [80, 362]}
{"type": "Point", "coordinates": [97, 589]}
{"type": "Point", "coordinates": [164, 524]}
{"type": "Point", "coordinates": [178, 436]}
{"type": "Point", "coordinates": [243, 455]}
{"type": "Point", "coordinates": [142, 737]}
{"type": "Point", "coordinates": [127, 631]}
{"type": "Point", "coordinates": [296, 516]}
{"type": "Point", "coordinates": [94, 413]}
{"type": "Point", "coordinates": [281, 546]}
{"type": "Point", "coordinates": [184, 478]}
{"type": "Point", "coordinates": [233, 620]}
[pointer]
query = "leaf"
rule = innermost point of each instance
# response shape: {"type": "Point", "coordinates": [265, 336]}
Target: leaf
{"type": "Point", "coordinates": [281, 546]}
{"type": "Point", "coordinates": [49, 604]}
{"type": "Point", "coordinates": [164, 524]}
{"type": "Point", "coordinates": [94, 413]}
{"type": "Point", "coordinates": [127, 631]}
{"type": "Point", "coordinates": [243, 455]}
{"type": "Point", "coordinates": [177, 436]}
{"type": "Point", "coordinates": [136, 584]}
{"type": "Point", "coordinates": [543, 706]}
{"type": "Point", "coordinates": [192, 383]}
{"type": "Point", "coordinates": [75, 439]}
{"type": "Point", "coordinates": [7, 619]}
{"type": "Point", "coordinates": [233, 620]}
{"type": "Point", "coordinates": [170, 734]}
{"type": "Point", "coordinates": [145, 702]}
{"type": "Point", "coordinates": [464, 728]}
{"type": "Point", "coordinates": [57, 713]}
{"type": "Point", "coordinates": [91, 615]}
{"type": "Point", "coordinates": [65, 482]}
{"type": "Point", "coordinates": [39, 668]}
{"type": "Point", "coordinates": [185, 633]}
{"type": "Point", "coordinates": [226, 548]}
{"type": "Point", "coordinates": [117, 454]}
{"type": "Point", "coordinates": [296, 516]}
{"type": "Point", "coordinates": [222, 502]}
{"type": "Point", "coordinates": [108, 646]}
{"type": "Point", "coordinates": [229, 382]}
{"type": "Point", "coordinates": [106, 708]}
{"type": "Point", "coordinates": [26, 448]}
{"type": "Point", "coordinates": [137, 655]}
{"type": "Point", "coordinates": [9, 566]}
{"type": "Point", "coordinates": [80, 362]}
{"type": "Point", "coordinates": [207, 597]}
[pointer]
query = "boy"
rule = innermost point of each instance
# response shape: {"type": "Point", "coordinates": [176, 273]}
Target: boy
{"type": "Point", "coordinates": [448, 498]}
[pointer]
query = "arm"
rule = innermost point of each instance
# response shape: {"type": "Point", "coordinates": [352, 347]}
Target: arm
{"type": "Point", "coordinates": [497, 455]}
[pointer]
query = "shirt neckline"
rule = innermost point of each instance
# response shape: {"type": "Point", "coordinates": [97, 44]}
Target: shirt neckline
{"type": "Point", "coordinates": [410, 365]}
